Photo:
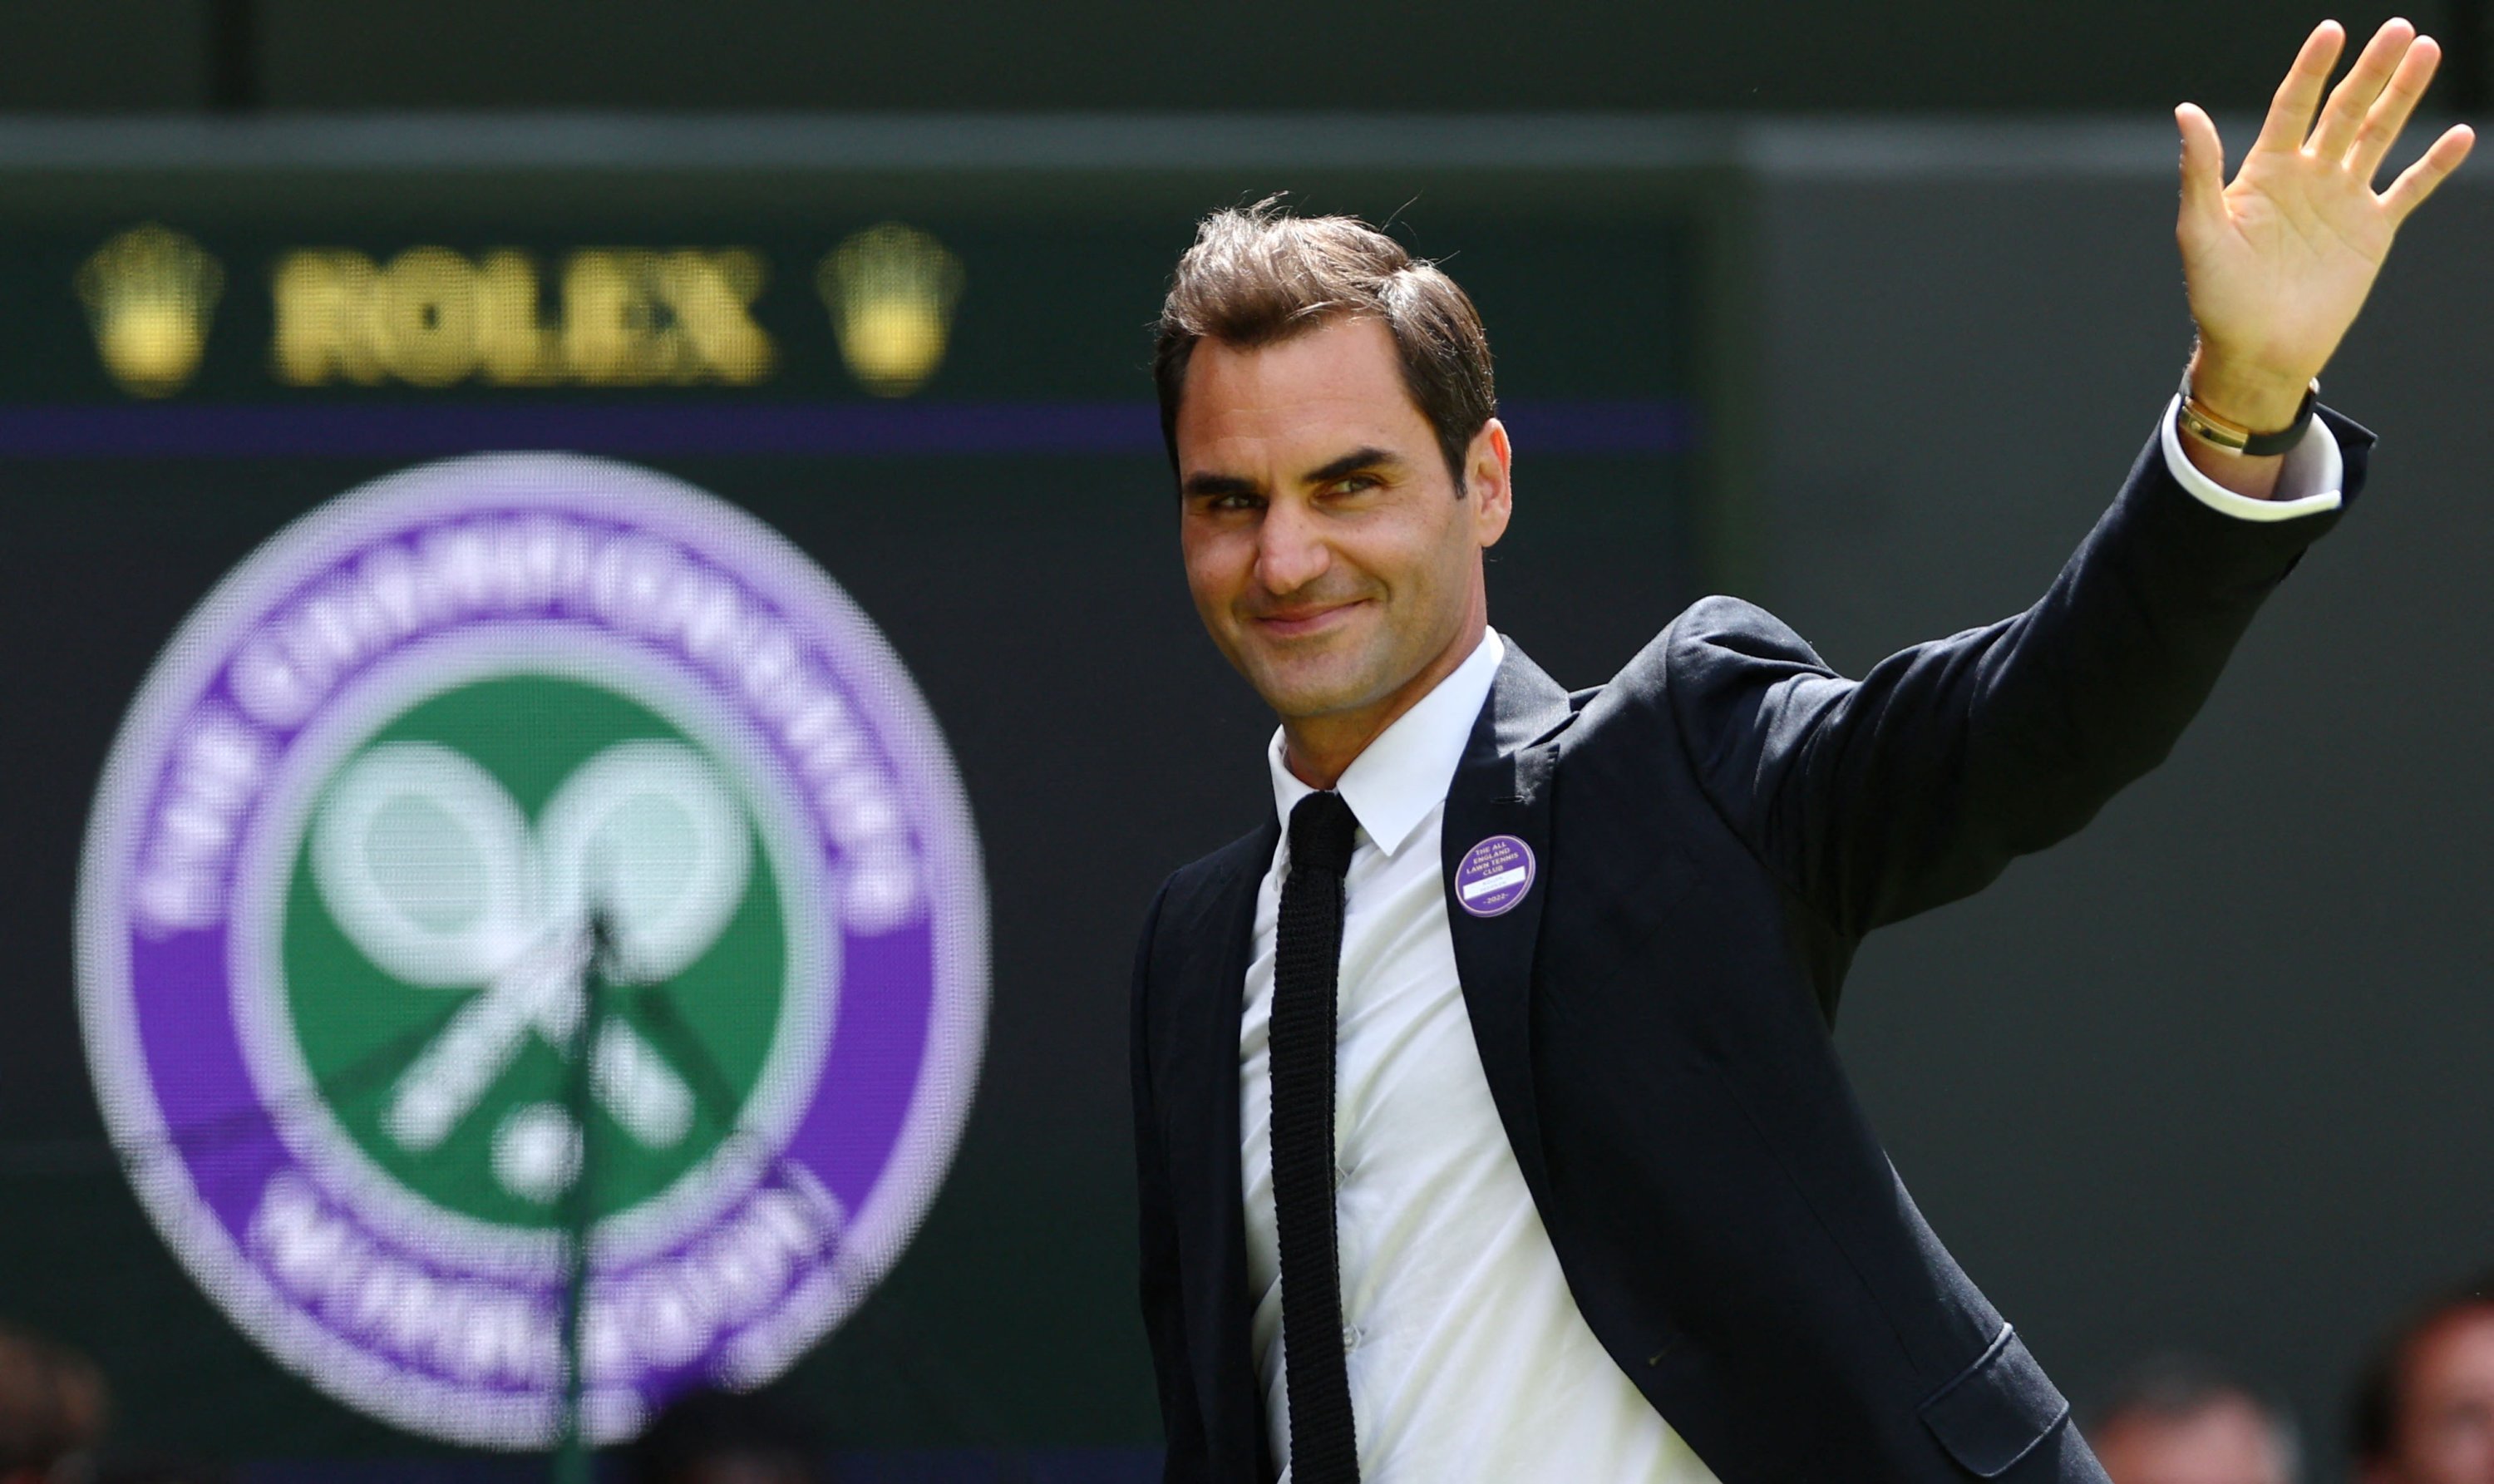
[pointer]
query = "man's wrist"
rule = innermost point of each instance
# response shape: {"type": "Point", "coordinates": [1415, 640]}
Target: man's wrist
{"type": "Point", "coordinates": [2307, 480]}
{"type": "Point", "coordinates": [2261, 401]}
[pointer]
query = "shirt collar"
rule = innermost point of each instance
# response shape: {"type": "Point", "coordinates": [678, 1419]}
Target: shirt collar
{"type": "Point", "coordinates": [1405, 773]}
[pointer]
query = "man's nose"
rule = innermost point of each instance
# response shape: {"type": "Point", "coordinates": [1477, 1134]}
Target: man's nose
{"type": "Point", "coordinates": [1291, 552]}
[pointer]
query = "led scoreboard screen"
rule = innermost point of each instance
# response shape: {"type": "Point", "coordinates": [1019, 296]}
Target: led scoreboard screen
{"type": "Point", "coordinates": [437, 590]}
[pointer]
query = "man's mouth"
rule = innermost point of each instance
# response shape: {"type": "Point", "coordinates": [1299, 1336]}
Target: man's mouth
{"type": "Point", "coordinates": [1303, 622]}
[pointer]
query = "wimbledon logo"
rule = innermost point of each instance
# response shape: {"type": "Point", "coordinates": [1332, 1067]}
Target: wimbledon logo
{"type": "Point", "coordinates": [437, 764]}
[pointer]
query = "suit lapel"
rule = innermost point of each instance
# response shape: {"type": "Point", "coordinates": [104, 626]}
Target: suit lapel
{"type": "Point", "coordinates": [1502, 788]}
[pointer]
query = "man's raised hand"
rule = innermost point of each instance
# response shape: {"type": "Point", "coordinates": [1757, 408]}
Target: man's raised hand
{"type": "Point", "coordinates": [2279, 262]}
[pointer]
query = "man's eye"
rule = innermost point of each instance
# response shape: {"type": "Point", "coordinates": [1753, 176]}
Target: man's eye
{"type": "Point", "coordinates": [1354, 484]}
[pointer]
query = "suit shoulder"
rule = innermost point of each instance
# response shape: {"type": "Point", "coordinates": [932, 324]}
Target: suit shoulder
{"type": "Point", "coordinates": [1718, 645]}
{"type": "Point", "coordinates": [1719, 631]}
{"type": "Point", "coordinates": [1198, 883]}
{"type": "Point", "coordinates": [1705, 680]}
{"type": "Point", "coordinates": [1216, 868]}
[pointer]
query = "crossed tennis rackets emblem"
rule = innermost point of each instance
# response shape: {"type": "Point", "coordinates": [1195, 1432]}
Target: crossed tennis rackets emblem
{"type": "Point", "coordinates": [431, 870]}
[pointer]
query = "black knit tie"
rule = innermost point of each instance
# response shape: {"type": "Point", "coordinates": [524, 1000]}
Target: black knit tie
{"type": "Point", "coordinates": [1307, 959]}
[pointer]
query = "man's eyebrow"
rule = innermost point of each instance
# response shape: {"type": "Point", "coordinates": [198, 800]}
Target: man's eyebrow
{"type": "Point", "coordinates": [1351, 463]}
{"type": "Point", "coordinates": [1219, 485]}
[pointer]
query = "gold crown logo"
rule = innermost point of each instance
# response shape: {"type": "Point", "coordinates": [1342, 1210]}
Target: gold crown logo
{"type": "Point", "coordinates": [891, 290]}
{"type": "Point", "coordinates": [149, 293]}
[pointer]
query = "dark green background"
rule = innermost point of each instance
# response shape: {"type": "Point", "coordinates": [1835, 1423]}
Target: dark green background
{"type": "Point", "coordinates": [1455, 56]}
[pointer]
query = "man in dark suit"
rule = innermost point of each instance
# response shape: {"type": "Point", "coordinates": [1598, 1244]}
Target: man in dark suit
{"type": "Point", "coordinates": [1488, 1123]}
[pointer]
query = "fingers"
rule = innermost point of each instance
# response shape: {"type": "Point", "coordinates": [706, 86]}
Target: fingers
{"type": "Point", "coordinates": [2419, 180]}
{"type": "Point", "coordinates": [2204, 170]}
{"type": "Point", "coordinates": [2350, 101]}
{"type": "Point", "coordinates": [2290, 112]}
{"type": "Point", "coordinates": [2390, 115]}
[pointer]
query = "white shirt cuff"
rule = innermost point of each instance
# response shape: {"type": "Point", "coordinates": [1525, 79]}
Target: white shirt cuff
{"type": "Point", "coordinates": [2308, 482]}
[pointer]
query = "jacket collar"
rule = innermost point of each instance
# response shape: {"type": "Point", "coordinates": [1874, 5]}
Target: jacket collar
{"type": "Point", "coordinates": [1526, 707]}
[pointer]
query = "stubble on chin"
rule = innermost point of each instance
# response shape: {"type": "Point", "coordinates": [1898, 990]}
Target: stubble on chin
{"type": "Point", "coordinates": [1307, 685]}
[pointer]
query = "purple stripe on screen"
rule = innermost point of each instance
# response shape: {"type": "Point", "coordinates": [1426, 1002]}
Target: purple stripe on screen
{"type": "Point", "coordinates": [684, 429]}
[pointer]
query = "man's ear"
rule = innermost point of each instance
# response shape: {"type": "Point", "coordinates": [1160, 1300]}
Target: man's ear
{"type": "Point", "coordinates": [1489, 468]}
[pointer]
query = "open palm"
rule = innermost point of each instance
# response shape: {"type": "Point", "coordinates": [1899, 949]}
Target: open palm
{"type": "Point", "coordinates": [2279, 261]}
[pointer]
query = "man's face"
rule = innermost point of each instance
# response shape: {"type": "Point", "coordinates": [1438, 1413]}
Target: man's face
{"type": "Point", "coordinates": [2444, 1429]}
{"type": "Point", "coordinates": [1327, 550]}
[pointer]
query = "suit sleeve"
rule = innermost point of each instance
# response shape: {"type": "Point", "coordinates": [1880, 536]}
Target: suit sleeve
{"type": "Point", "coordinates": [1877, 798]}
{"type": "Point", "coordinates": [1163, 1313]}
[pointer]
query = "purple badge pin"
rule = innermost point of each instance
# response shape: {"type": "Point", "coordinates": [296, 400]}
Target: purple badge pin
{"type": "Point", "coordinates": [1494, 876]}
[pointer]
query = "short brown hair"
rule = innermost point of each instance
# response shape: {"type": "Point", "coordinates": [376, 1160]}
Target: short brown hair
{"type": "Point", "coordinates": [1258, 275]}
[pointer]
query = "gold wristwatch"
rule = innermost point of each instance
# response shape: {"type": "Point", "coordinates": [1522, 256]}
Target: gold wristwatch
{"type": "Point", "coordinates": [2233, 436]}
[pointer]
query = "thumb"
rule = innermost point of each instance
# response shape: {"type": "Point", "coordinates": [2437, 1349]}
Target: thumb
{"type": "Point", "coordinates": [2204, 172]}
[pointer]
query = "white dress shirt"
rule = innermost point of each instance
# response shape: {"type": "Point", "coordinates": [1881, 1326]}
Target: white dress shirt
{"type": "Point", "coordinates": [1469, 1361]}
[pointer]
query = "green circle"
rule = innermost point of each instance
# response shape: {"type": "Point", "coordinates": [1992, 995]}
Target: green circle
{"type": "Point", "coordinates": [360, 1029]}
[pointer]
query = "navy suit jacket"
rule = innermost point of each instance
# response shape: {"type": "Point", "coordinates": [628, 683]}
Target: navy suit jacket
{"type": "Point", "coordinates": [1716, 829]}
